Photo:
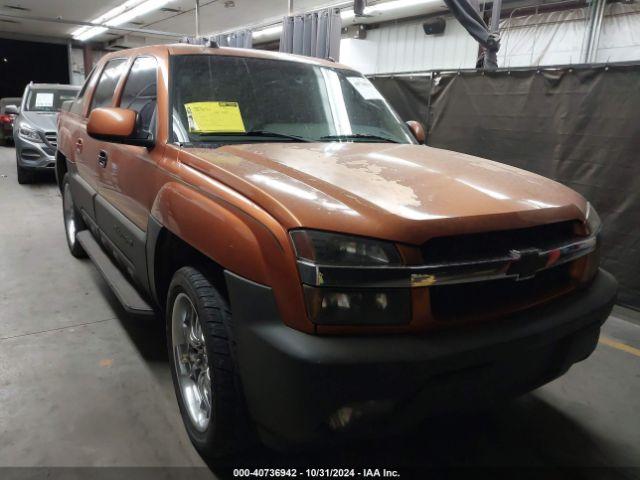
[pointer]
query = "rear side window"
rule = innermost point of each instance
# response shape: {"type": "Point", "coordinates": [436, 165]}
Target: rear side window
{"type": "Point", "coordinates": [111, 74]}
{"type": "Point", "coordinates": [140, 93]}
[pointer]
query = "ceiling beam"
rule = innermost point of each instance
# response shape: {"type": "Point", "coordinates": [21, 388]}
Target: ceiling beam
{"type": "Point", "coordinates": [158, 33]}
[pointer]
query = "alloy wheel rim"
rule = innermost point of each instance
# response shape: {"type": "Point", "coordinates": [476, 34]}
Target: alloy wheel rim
{"type": "Point", "coordinates": [191, 361]}
{"type": "Point", "coordinates": [69, 215]}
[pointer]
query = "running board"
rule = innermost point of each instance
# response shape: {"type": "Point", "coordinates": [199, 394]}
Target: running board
{"type": "Point", "coordinates": [129, 297]}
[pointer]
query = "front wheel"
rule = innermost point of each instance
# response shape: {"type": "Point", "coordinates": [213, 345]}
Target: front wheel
{"type": "Point", "coordinates": [205, 377]}
{"type": "Point", "coordinates": [25, 176]}
{"type": "Point", "coordinates": [73, 222]}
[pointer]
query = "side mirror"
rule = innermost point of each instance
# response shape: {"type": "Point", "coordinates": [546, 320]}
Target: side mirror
{"type": "Point", "coordinates": [116, 125]}
{"type": "Point", "coordinates": [12, 110]}
{"type": "Point", "coordinates": [417, 130]}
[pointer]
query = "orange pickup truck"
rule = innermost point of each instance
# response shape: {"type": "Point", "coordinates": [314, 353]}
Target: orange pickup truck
{"type": "Point", "coordinates": [322, 274]}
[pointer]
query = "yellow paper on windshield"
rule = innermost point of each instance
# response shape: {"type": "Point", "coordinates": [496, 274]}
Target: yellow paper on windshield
{"type": "Point", "coordinates": [214, 117]}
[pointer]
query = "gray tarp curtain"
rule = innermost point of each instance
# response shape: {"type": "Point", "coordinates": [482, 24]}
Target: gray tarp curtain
{"type": "Point", "coordinates": [239, 39]}
{"type": "Point", "coordinates": [314, 34]}
{"type": "Point", "coordinates": [466, 12]}
{"type": "Point", "coordinates": [579, 126]}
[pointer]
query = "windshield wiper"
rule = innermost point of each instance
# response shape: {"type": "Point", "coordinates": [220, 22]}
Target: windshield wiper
{"type": "Point", "coordinates": [266, 133]}
{"type": "Point", "coordinates": [353, 136]}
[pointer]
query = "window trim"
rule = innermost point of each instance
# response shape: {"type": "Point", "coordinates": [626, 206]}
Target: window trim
{"type": "Point", "coordinates": [95, 88]}
{"type": "Point", "coordinates": [125, 79]}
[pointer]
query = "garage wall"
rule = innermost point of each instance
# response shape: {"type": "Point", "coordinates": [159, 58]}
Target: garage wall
{"type": "Point", "coordinates": [551, 38]}
{"type": "Point", "coordinates": [403, 47]}
{"type": "Point", "coordinates": [555, 38]}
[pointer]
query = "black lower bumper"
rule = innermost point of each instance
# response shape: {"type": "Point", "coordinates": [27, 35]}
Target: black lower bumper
{"type": "Point", "coordinates": [304, 388]}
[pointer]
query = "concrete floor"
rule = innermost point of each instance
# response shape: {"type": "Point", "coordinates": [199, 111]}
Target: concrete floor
{"type": "Point", "coordinates": [84, 384]}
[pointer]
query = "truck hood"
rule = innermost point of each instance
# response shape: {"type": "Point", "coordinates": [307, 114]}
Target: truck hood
{"type": "Point", "coordinates": [44, 121]}
{"type": "Point", "coordinates": [405, 193]}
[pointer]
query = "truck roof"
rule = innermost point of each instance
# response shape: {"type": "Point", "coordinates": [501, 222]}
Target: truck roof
{"type": "Point", "coordinates": [187, 49]}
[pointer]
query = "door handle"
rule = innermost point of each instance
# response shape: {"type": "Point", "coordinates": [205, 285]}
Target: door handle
{"type": "Point", "coordinates": [103, 158]}
{"type": "Point", "coordinates": [79, 145]}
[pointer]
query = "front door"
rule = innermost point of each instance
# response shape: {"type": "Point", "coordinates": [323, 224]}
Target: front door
{"type": "Point", "coordinates": [126, 187]}
{"type": "Point", "coordinates": [88, 150]}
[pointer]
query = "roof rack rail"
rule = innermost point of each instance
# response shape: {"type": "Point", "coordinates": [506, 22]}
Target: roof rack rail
{"type": "Point", "coordinates": [204, 41]}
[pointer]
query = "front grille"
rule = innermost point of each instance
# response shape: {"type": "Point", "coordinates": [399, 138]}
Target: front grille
{"type": "Point", "coordinates": [498, 243]}
{"type": "Point", "coordinates": [52, 138]}
{"type": "Point", "coordinates": [491, 299]}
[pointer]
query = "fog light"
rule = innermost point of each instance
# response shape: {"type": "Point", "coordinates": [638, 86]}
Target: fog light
{"type": "Point", "coordinates": [349, 415]}
{"type": "Point", "coordinates": [341, 418]}
{"type": "Point", "coordinates": [328, 306]}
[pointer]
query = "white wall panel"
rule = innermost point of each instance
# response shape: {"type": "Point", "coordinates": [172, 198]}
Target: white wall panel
{"type": "Point", "coordinates": [404, 47]}
{"type": "Point", "coordinates": [551, 38]}
{"type": "Point", "coordinates": [556, 38]}
{"type": "Point", "coordinates": [620, 35]}
{"type": "Point", "coordinates": [359, 54]}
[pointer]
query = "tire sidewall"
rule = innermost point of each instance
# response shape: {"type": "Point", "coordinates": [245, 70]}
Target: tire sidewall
{"type": "Point", "coordinates": [75, 248]}
{"type": "Point", "coordinates": [180, 284]}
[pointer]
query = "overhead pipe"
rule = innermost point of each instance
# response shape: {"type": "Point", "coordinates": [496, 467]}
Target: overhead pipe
{"type": "Point", "coordinates": [197, 18]}
{"type": "Point", "coordinates": [496, 9]}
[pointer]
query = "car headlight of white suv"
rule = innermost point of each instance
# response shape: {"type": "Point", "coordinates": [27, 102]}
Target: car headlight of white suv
{"type": "Point", "coordinates": [28, 133]}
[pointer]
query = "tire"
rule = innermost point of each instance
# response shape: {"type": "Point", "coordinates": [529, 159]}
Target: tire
{"type": "Point", "coordinates": [72, 220]}
{"type": "Point", "coordinates": [24, 176]}
{"type": "Point", "coordinates": [226, 431]}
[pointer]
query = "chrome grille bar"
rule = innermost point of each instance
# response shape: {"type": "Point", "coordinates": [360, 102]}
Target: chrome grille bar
{"type": "Point", "coordinates": [517, 264]}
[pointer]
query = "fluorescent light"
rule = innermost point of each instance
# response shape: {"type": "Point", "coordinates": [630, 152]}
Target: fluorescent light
{"type": "Point", "coordinates": [114, 12]}
{"type": "Point", "coordinates": [142, 9]}
{"type": "Point", "coordinates": [267, 32]}
{"type": "Point", "coordinates": [119, 15]}
{"type": "Point", "coordinates": [348, 15]}
{"type": "Point", "coordinates": [90, 33]}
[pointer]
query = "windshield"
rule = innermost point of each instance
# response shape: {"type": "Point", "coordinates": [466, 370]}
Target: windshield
{"type": "Point", "coordinates": [48, 99]}
{"type": "Point", "coordinates": [224, 99]}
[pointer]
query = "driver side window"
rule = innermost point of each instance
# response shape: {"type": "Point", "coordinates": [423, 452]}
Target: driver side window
{"type": "Point", "coordinates": [141, 95]}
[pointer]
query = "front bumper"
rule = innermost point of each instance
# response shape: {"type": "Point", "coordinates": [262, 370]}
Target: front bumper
{"type": "Point", "coordinates": [34, 155]}
{"type": "Point", "coordinates": [303, 388]}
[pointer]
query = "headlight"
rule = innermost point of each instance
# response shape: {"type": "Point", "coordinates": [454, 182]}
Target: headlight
{"type": "Point", "coordinates": [30, 134]}
{"type": "Point", "coordinates": [351, 306]}
{"type": "Point", "coordinates": [334, 306]}
{"type": "Point", "coordinates": [592, 219]}
{"type": "Point", "coordinates": [325, 248]}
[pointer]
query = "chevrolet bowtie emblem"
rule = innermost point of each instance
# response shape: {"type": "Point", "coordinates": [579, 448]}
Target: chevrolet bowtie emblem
{"type": "Point", "coordinates": [526, 263]}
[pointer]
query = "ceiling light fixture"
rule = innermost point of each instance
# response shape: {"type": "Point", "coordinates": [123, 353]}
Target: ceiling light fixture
{"type": "Point", "coordinates": [348, 15]}
{"type": "Point", "coordinates": [118, 16]}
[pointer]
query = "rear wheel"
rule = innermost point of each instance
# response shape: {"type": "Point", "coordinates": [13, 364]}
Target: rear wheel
{"type": "Point", "coordinates": [205, 377]}
{"type": "Point", "coordinates": [73, 222]}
